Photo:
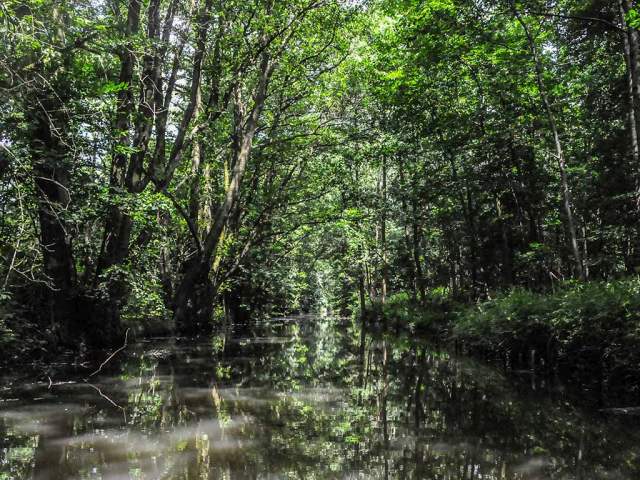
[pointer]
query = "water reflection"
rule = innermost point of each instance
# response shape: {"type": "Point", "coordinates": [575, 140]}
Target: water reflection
{"type": "Point", "coordinates": [304, 398]}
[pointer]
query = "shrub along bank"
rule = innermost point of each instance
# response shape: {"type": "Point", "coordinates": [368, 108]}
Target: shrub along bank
{"type": "Point", "coordinates": [586, 332]}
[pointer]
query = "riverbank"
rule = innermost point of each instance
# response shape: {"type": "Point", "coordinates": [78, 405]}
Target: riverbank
{"type": "Point", "coordinates": [587, 333]}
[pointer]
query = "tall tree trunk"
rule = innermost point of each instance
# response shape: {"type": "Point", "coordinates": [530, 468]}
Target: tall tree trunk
{"type": "Point", "coordinates": [507, 271]}
{"type": "Point", "coordinates": [408, 246]}
{"type": "Point", "coordinates": [198, 276]}
{"type": "Point", "coordinates": [630, 45]}
{"type": "Point", "coordinates": [118, 225]}
{"type": "Point", "coordinates": [362, 293]}
{"type": "Point", "coordinates": [470, 220]}
{"type": "Point", "coordinates": [416, 238]}
{"type": "Point", "coordinates": [383, 231]}
{"type": "Point", "coordinates": [50, 160]}
{"type": "Point", "coordinates": [196, 172]}
{"type": "Point", "coordinates": [132, 138]}
{"type": "Point", "coordinates": [562, 167]}
{"type": "Point", "coordinates": [128, 175]}
{"type": "Point", "coordinates": [49, 148]}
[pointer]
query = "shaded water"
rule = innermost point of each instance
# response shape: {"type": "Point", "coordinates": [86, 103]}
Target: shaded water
{"type": "Point", "coordinates": [304, 398]}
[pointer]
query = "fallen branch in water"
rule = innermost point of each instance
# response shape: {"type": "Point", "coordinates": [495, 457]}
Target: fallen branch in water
{"type": "Point", "coordinates": [124, 412]}
{"type": "Point", "coordinates": [622, 411]}
{"type": "Point", "coordinates": [126, 334]}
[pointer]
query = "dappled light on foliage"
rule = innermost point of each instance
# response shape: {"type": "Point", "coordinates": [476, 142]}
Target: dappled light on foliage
{"type": "Point", "coordinates": [276, 238]}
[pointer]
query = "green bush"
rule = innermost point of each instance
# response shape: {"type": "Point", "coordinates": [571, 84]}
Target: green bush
{"type": "Point", "coordinates": [399, 307]}
{"type": "Point", "coordinates": [586, 331]}
{"type": "Point", "coordinates": [513, 323]}
{"type": "Point", "coordinates": [589, 330]}
{"type": "Point", "coordinates": [21, 335]}
{"type": "Point", "coordinates": [403, 310]}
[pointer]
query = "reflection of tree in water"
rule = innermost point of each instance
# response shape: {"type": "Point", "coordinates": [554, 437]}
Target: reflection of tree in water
{"type": "Point", "coordinates": [318, 398]}
{"type": "Point", "coordinates": [462, 419]}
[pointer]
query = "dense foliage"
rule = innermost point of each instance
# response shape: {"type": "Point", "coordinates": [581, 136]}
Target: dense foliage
{"type": "Point", "coordinates": [589, 332]}
{"type": "Point", "coordinates": [183, 162]}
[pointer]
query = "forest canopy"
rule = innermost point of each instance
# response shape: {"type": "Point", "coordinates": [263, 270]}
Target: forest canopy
{"type": "Point", "coordinates": [183, 161]}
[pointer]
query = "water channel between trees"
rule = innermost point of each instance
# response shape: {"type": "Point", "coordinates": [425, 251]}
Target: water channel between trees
{"type": "Point", "coordinates": [307, 398]}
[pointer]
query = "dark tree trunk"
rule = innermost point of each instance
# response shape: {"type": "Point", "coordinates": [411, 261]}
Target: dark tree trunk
{"type": "Point", "coordinates": [383, 232]}
{"type": "Point", "coordinates": [75, 315]}
{"type": "Point", "coordinates": [128, 175]}
{"type": "Point", "coordinates": [417, 260]}
{"type": "Point", "coordinates": [507, 254]}
{"type": "Point", "coordinates": [414, 268]}
{"type": "Point", "coordinates": [50, 160]}
{"type": "Point", "coordinates": [118, 226]}
{"type": "Point", "coordinates": [193, 306]}
{"type": "Point", "coordinates": [633, 97]}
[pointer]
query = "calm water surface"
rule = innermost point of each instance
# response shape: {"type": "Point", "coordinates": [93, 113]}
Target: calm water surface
{"type": "Point", "coordinates": [301, 398]}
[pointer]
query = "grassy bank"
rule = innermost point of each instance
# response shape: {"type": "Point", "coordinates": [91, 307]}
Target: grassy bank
{"type": "Point", "coordinates": [588, 333]}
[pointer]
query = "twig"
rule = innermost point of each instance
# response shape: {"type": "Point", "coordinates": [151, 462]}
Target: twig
{"type": "Point", "coordinates": [124, 412]}
{"type": "Point", "coordinates": [603, 21]}
{"type": "Point", "coordinates": [126, 334]}
{"type": "Point", "coordinates": [19, 236]}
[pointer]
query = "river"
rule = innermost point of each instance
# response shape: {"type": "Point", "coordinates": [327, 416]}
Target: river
{"type": "Point", "coordinates": [302, 398]}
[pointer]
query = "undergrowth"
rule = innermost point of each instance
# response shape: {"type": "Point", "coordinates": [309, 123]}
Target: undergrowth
{"type": "Point", "coordinates": [588, 332]}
